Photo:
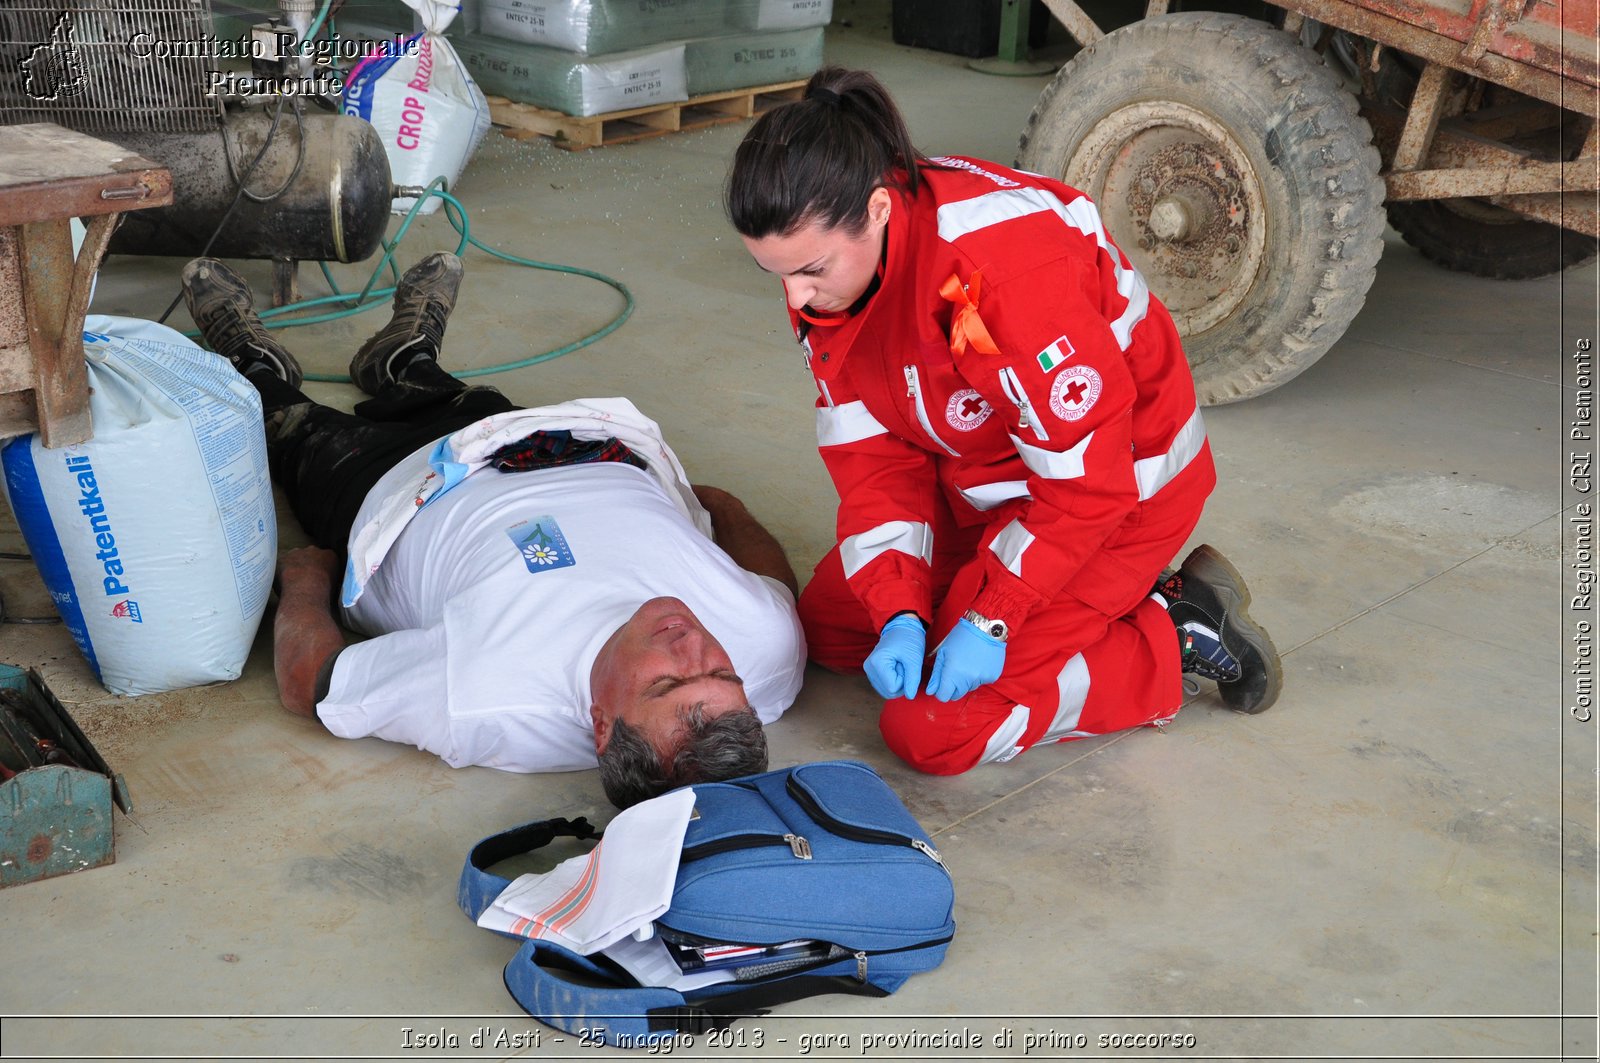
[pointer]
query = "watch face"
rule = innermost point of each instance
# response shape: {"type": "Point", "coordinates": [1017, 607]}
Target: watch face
{"type": "Point", "coordinates": [995, 629]}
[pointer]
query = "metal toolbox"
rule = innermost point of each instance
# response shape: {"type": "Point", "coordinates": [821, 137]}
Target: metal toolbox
{"type": "Point", "coordinates": [56, 791]}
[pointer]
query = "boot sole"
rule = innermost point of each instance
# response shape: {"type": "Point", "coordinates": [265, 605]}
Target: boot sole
{"type": "Point", "coordinates": [1210, 566]}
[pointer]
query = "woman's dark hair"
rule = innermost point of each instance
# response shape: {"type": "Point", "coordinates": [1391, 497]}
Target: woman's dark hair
{"type": "Point", "coordinates": [820, 157]}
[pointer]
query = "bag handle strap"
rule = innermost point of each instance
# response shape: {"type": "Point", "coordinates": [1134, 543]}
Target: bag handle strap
{"type": "Point", "coordinates": [479, 887]}
{"type": "Point", "coordinates": [580, 996]}
{"type": "Point", "coordinates": [719, 1012]}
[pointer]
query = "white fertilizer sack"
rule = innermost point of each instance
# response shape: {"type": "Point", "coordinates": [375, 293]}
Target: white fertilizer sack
{"type": "Point", "coordinates": [156, 538]}
{"type": "Point", "coordinates": [424, 105]}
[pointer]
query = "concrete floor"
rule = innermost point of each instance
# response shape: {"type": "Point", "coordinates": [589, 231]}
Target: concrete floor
{"type": "Point", "coordinates": [1397, 860]}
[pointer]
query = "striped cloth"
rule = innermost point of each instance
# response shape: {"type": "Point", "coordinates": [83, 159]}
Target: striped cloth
{"type": "Point", "coordinates": [547, 449]}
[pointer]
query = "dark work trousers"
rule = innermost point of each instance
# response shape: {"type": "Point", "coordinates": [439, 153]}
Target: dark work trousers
{"type": "Point", "coordinates": [326, 460]}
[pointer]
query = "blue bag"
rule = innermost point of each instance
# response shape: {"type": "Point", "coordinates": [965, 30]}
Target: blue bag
{"type": "Point", "coordinates": [823, 853]}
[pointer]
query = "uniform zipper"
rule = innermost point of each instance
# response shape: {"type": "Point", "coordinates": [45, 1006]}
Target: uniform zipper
{"type": "Point", "coordinates": [1011, 384]}
{"type": "Point", "coordinates": [804, 799]}
{"type": "Point", "coordinates": [914, 391]}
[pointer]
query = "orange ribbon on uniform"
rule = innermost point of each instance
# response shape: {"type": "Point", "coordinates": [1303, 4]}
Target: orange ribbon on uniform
{"type": "Point", "coordinates": [967, 329]}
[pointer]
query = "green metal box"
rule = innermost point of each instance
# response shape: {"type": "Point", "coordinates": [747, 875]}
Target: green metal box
{"type": "Point", "coordinates": [55, 818]}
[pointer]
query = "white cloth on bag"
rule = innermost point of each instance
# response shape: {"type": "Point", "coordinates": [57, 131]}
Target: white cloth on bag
{"type": "Point", "coordinates": [621, 885]}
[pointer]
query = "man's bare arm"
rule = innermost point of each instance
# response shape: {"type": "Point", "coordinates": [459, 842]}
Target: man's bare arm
{"type": "Point", "coordinates": [305, 636]}
{"type": "Point", "coordinates": [750, 545]}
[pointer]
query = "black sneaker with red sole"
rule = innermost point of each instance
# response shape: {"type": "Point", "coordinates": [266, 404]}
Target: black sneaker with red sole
{"type": "Point", "coordinates": [1208, 602]}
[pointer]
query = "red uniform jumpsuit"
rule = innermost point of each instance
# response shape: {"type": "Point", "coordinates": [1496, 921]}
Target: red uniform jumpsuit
{"type": "Point", "coordinates": [1011, 426]}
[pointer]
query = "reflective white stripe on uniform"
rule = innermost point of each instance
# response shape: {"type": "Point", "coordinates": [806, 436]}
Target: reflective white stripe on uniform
{"type": "Point", "coordinates": [1156, 472]}
{"type": "Point", "coordinates": [984, 497]}
{"type": "Point", "coordinates": [1002, 744]}
{"type": "Point", "coordinates": [1073, 687]}
{"type": "Point", "coordinates": [969, 215]}
{"type": "Point", "coordinates": [859, 551]}
{"type": "Point", "coordinates": [850, 423]}
{"type": "Point", "coordinates": [1053, 464]}
{"type": "Point", "coordinates": [1010, 545]}
{"type": "Point", "coordinates": [1081, 215]}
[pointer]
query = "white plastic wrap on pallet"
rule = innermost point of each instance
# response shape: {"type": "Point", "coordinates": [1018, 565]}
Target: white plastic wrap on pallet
{"type": "Point", "coordinates": [573, 84]}
{"type": "Point", "coordinates": [779, 14]}
{"type": "Point", "coordinates": [716, 64]}
{"type": "Point", "coordinates": [599, 27]}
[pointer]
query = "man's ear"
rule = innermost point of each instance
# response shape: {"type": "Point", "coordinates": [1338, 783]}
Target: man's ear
{"type": "Point", "coordinates": [602, 727]}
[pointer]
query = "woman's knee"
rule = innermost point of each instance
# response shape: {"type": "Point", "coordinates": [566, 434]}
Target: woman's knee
{"type": "Point", "coordinates": [930, 737]}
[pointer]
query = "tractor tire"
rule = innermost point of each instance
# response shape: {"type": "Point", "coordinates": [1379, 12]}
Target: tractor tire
{"type": "Point", "coordinates": [1476, 237]}
{"type": "Point", "coordinates": [1233, 169]}
{"type": "Point", "coordinates": [1473, 235]}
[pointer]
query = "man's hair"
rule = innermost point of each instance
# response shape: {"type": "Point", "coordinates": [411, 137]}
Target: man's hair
{"type": "Point", "coordinates": [722, 747]}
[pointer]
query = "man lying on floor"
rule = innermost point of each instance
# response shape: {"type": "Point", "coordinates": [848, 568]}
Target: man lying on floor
{"type": "Point", "coordinates": [545, 589]}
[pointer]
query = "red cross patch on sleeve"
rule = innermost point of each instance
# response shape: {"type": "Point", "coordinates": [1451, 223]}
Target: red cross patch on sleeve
{"type": "Point", "coordinates": [1074, 392]}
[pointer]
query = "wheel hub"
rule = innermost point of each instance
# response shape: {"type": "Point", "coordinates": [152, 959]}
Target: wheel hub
{"type": "Point", "coordinates": [1176, 218]}
{"type": "Point", "coordinates": [1179, 194]}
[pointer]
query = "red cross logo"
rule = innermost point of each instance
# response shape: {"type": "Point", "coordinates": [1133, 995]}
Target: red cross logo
{"type": "Point", "coordinates": [1075, 390]}
{"type": "Point", "coordinates": [966, 410]}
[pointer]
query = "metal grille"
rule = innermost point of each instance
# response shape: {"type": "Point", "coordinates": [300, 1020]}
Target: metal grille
{"type": "Point", "coordinates": [107, 65]}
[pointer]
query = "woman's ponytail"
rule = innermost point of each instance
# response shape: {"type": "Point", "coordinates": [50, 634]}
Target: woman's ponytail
{"type": "Point", "coordinates": [821, 157]}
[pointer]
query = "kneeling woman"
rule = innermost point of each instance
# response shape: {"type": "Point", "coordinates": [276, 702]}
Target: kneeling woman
{"type": "Point", "coordinates": [1011, 424]}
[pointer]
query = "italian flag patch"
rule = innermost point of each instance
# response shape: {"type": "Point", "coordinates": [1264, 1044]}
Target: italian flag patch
{"type": "Point", "coordinates": [1055, 354]}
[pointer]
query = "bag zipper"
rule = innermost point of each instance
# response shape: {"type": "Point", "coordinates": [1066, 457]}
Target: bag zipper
{"type": "Point", "coordinates": [913, 389]}
{"type": "Point", "coordinates": [756, 972]}
{"type": "Point", "coordinates": [859, 833]}
{"type": "Point", "coordinates": [799, 848]}
{"type": "Point", "coordinates": [834, 955]}
{"type": "Point", "coordinates": [1011, 384]}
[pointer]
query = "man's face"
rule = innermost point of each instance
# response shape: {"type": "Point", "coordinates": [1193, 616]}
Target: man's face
{"type": "Point", "coordinates": [822, 268]}
{"type": "Point", "coordinates": [662, 660]}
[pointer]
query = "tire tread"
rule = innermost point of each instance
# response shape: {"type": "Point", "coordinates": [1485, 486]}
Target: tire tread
{"type": "Point", "coordinates": [1347, 212]}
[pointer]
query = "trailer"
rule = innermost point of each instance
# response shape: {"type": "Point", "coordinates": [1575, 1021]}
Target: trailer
{"type": "Point", "coordinates": [1247, 163]}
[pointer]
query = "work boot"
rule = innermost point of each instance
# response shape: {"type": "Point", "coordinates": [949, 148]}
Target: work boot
{"type": "Point", "coordinates": [219, 301]}
{"type": "Point", "coordinates": [422, 302]}
{"type": "Point", "coordinates": [1207, 600]}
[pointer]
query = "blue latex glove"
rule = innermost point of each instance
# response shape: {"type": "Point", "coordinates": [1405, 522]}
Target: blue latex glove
{"type": "Point", "coordinates": [967, 659]}
{"type": "Point", "coordinates": [894, 667]}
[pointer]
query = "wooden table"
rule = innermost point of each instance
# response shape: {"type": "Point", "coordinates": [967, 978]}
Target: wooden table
{"type": "Point", "coordinates": [49, 175]}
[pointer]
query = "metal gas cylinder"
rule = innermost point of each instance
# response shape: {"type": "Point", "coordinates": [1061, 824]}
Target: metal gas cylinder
{"type": "Point", "coordinates": [322, 191]}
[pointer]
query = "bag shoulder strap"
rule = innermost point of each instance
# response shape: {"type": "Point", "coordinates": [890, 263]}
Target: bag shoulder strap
{"type": "Point", "coordinates": [479, 887]}
{"type": "Point", "coordinates": [573, 993]}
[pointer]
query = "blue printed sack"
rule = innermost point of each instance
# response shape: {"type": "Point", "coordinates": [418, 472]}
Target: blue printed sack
{"type": "Point", "coordinates": [157, 537]}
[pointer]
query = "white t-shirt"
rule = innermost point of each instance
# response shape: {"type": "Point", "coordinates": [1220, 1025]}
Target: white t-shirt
{"type": "Point", "coordinates": [492, 605]}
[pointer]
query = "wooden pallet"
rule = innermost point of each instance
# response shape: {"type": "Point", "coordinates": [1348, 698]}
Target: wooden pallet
{"type": "Point", "coordinates": [524, 121]}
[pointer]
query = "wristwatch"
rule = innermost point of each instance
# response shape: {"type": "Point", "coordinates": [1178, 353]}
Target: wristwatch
{"type": "Point", "coordinates": [998, 630]}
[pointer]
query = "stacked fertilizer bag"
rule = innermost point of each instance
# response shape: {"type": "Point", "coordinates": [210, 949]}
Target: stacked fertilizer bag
{"type": "Point", "coordinates": [589, 57]}
{"type": "Point", "coordinates": [156, 538]}
{"type": "Point", "coordinates": [423, 104]}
